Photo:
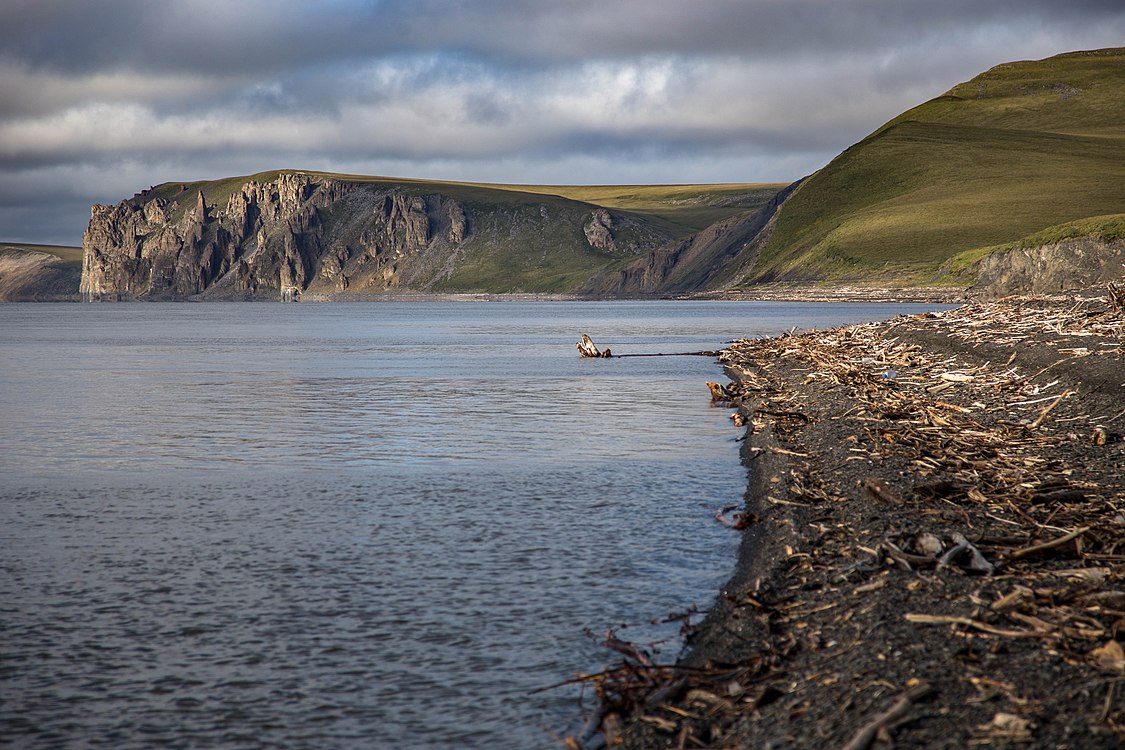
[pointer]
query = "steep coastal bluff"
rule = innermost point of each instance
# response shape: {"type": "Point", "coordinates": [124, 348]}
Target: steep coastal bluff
{"type": "Point", "coordinates": [300, 233]}
{"type": "Point", "coordinates": [29, 274]}
{"type": "Point", "coordinates": [1053, 267]}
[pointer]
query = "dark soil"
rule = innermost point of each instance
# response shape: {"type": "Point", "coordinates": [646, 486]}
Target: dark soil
{"type": "Point", "coordinates": [903, 476]}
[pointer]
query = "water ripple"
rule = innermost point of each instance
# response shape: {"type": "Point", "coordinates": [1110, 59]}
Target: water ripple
{"type": "Point", "coordinates": [346, 526]}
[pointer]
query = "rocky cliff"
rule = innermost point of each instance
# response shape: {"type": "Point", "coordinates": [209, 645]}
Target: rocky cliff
{"type": "Point", "coordinates": [32, 276]}
{"type": "Point", "coordinates": [290, 234]}
{"type": "Point", "coordinates": [1051, 268]}
{"type": "Point", "coordinates": [278, 239]}
{"type": "Point", "coordinates": [299, 234]}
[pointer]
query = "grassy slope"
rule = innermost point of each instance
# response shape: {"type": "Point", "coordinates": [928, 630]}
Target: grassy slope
{"type": "Point", "coordinates": [1100, 228]}
{"type": "Point", "coordinates": [1020, 148]}
{"type": "Point", "coordinates": [514, 248]}
{"type": "Point", "coordinates": [66, 253]}
{"type": "Point", "coordinates": [681, 208]}
{"type": "Point", "coordinates": [47, 273]}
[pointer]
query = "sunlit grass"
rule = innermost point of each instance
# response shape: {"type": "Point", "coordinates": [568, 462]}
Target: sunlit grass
{"type": "Point", "coordinates": [65, 252]}
{"type": "Point", "coordinates": [688, 208]}
{"type": "Point", "coordinates": [1021, 148]}
{"type": "Point", "coordinates": [681, 209]}
{"type": "Point", "coordinates": [1108, 228]}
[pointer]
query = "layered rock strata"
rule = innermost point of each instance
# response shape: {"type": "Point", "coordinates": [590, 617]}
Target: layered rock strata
{"type": "Point", "coordinates": [1051, 268]}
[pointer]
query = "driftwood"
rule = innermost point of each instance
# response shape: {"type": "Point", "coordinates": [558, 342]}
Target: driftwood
{"type": "Point", "coordinates": [1047, 546]}
{"type": "Point", "coordinates": [990, 454]}
{"type": "Point", "coordinates": [704, 353]}
{"type": "Point", "coordinates": [722, 394]}
{"type": "Point", "coordinates": [586, 348]}
{"type": "Point", "coordinates": [864, 737]}
{"type": "Point", "coordinates": [1117, 295]}
{"type": "Point", "coordinates": [877, 489]}
{"type": "Point", "coordinates": [976, 560]}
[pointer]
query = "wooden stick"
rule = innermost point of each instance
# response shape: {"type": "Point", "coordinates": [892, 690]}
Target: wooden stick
{"type": "Point", "coordinates": [984, 627]}
{"type": "Point", "coordinates": [880, 491]}
{"type": "Point", "coordinates": [1050, 406]}
{"type": "Point", "coordinates": [862, 739]}
{"type": "Point", "coordinates": [673, 354]}
{"type": "Point", "coordinates": [587, 348]}
{"type": "Point", "coordinates": [1047, 546]}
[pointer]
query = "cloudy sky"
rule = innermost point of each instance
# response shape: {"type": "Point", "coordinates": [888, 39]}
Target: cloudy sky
{"type": "Point", "coordinates": [101, 98]}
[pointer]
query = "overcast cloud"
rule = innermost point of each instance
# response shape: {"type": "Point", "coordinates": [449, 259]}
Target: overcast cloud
{"type": "Point", "coordinates": [101, 99]}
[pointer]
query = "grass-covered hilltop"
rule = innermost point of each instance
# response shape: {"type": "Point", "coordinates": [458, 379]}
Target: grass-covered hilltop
{"type": "Point", "coordinates": [1013, 181]}
{"type": "Point", "coordinates": [1017, 150]}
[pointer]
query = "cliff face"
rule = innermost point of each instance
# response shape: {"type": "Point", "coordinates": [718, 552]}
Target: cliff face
{"type": "Point", "coordinates": [1051, 268]}
{"type": "Point", "coordinates": [299, 234]}
{"type": "Point", "coordinates": [274, 239]}
{"type": "Point", "coordinates": [29, 276]}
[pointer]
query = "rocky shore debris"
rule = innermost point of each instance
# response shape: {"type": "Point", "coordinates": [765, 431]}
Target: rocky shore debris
{"type": "Point", "coordinates": [937, 558]}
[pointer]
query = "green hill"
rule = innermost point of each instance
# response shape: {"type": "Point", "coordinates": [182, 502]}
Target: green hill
{"type": "Point", "coordinates": [1020, 148]}
{"type": "Point", "coordinates": [288, 233]}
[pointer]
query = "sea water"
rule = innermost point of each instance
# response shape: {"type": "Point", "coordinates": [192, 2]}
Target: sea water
{"type": "Point", "coordinates": [377, 525]}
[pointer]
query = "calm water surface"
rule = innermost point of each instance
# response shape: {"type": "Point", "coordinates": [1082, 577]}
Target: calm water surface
{"type": "Point", "coordinates": [375, 525]}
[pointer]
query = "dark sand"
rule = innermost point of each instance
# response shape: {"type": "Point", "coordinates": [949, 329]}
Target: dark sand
{"type": "Point", "coordinates": [872, 452]}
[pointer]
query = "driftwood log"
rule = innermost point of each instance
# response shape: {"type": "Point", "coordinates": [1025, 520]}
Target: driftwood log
{"type": "Point", "coordinates": [586, 348]}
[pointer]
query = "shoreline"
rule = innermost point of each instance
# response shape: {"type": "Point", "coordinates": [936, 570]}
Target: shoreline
{"type": "Point", "coordinates": [936, 525]}
{"type": "Point", "coordinates": [801, 292]}
{"type": "Point", "coordinates": [15, 289]}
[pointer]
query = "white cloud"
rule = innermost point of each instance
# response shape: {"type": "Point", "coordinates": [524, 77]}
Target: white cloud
{"type": "Point", "coordinates": [124, 93]}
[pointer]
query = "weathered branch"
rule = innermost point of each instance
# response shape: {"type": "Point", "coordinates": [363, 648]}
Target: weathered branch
{"type": "Point", "coordinates": [863, 738]}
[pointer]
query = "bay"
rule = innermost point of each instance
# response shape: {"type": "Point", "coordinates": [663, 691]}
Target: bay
{"type": "Point", "coordinates": [352, 525]}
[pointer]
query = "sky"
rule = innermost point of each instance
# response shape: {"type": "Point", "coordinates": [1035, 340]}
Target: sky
{"type": "Point", "coordinates": [100, 99]}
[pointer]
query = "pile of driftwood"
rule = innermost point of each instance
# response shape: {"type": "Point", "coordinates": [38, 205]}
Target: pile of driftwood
{"type": "Point", "coordinates": [661, 696]}
{"type": "Point", "coordinates": [921, 466]}
{"type": "Point", "coordinates": [984, 437]}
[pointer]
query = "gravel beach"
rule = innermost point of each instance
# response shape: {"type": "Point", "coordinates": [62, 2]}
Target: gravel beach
{"type": "Point", "coordinates": [934, 542]}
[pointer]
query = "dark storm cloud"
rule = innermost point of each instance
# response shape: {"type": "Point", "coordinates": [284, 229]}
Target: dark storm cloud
{"type": "Point", "coordinates": [257, 36]}
{"type": "Point", "coordinates": [584, 29]}
{"type": "Point", "coordinates": [100, 99]}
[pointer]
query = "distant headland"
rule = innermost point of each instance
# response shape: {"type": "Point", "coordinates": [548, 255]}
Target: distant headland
{"type": "Point", "coordinates": [1011, 182]}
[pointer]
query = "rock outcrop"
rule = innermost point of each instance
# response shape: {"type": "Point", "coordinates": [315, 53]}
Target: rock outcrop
{"type": "Point", "coordinates": [293, 235]}
{"type": "Point", "coordinates": [1051, 268]}
{"type": "Point", "coordinates": [599, 232]}
{"type": "Point", "coordinates": [458, 223]}
{"type": "Point", "coordinates": [276, 239]}
{"type": "Point", "coordinates": [30, 276]}
{"type": "Point", "coordinates": [703, 260]}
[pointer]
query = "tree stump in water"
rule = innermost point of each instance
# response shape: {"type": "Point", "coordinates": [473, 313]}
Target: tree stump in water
{"type": "Point", "coordinates": [586, 348]}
